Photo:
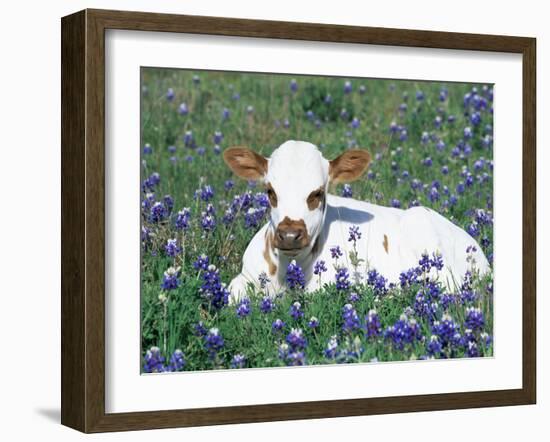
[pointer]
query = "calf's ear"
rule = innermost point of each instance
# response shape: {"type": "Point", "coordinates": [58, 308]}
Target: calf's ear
{"type": "Point", "coordinates": [349, 166]}
{"type": "Point", "coordinates": [245, 163]}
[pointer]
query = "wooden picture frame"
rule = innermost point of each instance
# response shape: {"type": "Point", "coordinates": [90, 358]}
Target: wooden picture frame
{"type": "Point", "coordinates": [83, 220]}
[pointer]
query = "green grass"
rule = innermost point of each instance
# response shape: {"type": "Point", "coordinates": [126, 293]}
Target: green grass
{"type": "Point", "coordinates": [170, 324]}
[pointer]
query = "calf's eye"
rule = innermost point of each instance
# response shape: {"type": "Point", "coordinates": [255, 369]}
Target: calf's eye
{"type": "Point", "coordinates": [315, 198]}
{"type": "Point", "coordinates": [271, 195]}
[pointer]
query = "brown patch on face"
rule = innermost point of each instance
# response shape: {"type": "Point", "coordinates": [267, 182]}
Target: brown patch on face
{"type": "Point", "coordinates": [291, 235]}
{"type": "Point", "coordinates": [271, 195]}
{"type": "Point", "coordinates": [349, 166]}
{"type": "Point", "coordinates": [385, 243]}
{"type": "Point", "coordinates": [315, 198]}
{"type": "Point", "coordinates": [267, 256]}
{"type": "Point", "coordinates": [245, 163]}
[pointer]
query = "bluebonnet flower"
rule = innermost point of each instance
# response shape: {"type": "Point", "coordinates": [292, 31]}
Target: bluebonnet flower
{"type": "Point", "coordinates": [332, 347]}
{"type": "Point", "coordinates": [419, 95]}
{"type": "Point", "coordinates": [355, 123]}
{"type": "Point", "coordinates": [293, 85]}
{"type": "Point", "coordinates": [327, 99]}
{"type": "Point", "coordinates": [347, 191]}
{"type": "Point", "coordinates": [443, 94]}
{"type": "Point", "coordinates": [377, 281]}
{"type": "Point", "coordinates": [290, 356]}
{"type": "Point", "coordinates": [201, 151]}
{"type": "Point", "coordinates": [183, 219]}
{"type": "Point", "coordinates": [403, 135]}
{"type": "Point", "coordinates": [183, 109]}
{"type": "Point", "coordinates": [238, 361]}
{"type": "Point", "coordinates": [277, 325]}
{"type": "Point", "coordinates": [263, 279]}
{"type": "Point", "coordinates": [434, 347]}
{"type": "Point", "coordinates": [445, 170]}
{"type": "Point", "coordinates": [172, 149]}
{"type": "Point", "coordinates": [218, 137]}
{"type": "Point", "coordinates": [427, 162]}
{"type": "Point", "coordinates": [404, 331]}
{"type": "Point", "coordinates": [347, 87]}
{"type": "Point", "coordinates": [354, 234]}
{"type": "Point", "coordinates": [177, 361]}
{"type": "Point", "coordinates": [310, 115]}
{"type": "Point", "coordinates": [158, 212]}
{"type": "Point", "coordinates": [474, 318]}
{"type": "Point", "coordinates": [170, 280]}
{"type": "Point", "coordinates": [446, 330]}
{"type": "Point", "coordinates": [342, 279]}
{"type": "Point", "coordinates": [228, 185]}
{"type": "Point", "coordinates": [261, 199]}
{"type": "Point", "coordinates": [372, 325]}
{"type": "Point", "coordinates": [319, 267]}
{"type": "Point", "coordinates": [225, 113]}
{"type": "Point", "coordinates": [188, 139]}
{"type": "Point", "coordinates": [205, 193]}
{"type": "Point", "coordinates": [213, 341]}
{"type": "Point", "coordinates": [437, 121]}
{"type": "Point", "coordinates": [473, 229]}
{"type": "Point", "coordinates": [267, 305]}
{"type": "Point", "coordinates": [362, 89]}
{"type": "Point", "coordinates": [313, 322]}
{"type": "Point", "coordinates": [236, 96]}
{"type": "Point", "coordinates": [425, 137]}
{"type": "Point", "coordinates": [409, 277]}
{"type": "Point", "coordinates": [147, 149]}
{"type": "Point", "coordinates": [395, 203]}
{"type": "Point", "coordinates": [353, 297]}
{"type": "Point", "coordinates": [424, 307]}
{"type": "Point", "coordinates": [145, 236]}
{"type": "Point", "coordinates": [199, 329]}
{"type": "Point", "coordinates": [472, 351]}
{"type": "Point", "coordinates": [253, 217]}
{"type": "Point", "coordinates": [468, 132]}
{"type": "Point", "coordinates": [170, 94]}
{"type": "Point", "coordinates": [243, 308]}
{"type": "Point", "coordinates": [208, 222]}
{"type": "Point", "coordinates": [434, 194]}
{"type": "Point", "coordinates": [475, 118]}
{"type": "Point", "coordinates": [171, 248]}
{"type": "Point", "coordinates": [212, 288]}
{"type": "Point", "coordinates": [153, 361]}
{"type": "Point", "coordinates": [196, 79]}
{"type": "Point", "coordinates": [295, 277]}
{"type": "Point", "coordinates": [296, 311]}
{"type": "Point", "coordinates": [351, 318]}
{"type": "Point", "coordinates": [249, 109]}
{"type": "Point", "coordinates": [202, 263]}
{"type": "Point", "coordinates": [451, 119]}
{"type": "Point", "coordinates": [168, 203]}
{"type": "Point", "coordinates": [296, 339]}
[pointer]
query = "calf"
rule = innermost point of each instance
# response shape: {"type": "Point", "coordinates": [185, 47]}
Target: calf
{"type": "Point", "coordinates": [306, 222]}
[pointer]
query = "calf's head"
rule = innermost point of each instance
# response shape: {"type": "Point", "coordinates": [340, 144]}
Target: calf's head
{"type": "Point", "coordinates": [296, 178]}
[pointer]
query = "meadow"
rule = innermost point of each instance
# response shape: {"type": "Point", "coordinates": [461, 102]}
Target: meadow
{"type": "Point", "coordinates": [431, 145]}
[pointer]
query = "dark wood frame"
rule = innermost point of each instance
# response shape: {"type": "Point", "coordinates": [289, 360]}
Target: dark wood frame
{"type": "Point", "coordinates": [83, 218]}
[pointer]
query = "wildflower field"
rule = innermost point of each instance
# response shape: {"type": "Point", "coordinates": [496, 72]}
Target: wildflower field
{"type": "Point", "coordinates": [431, 145]}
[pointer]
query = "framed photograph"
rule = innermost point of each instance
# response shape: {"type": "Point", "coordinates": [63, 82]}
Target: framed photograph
{"type": "Point", "coordinates": [266, 221]}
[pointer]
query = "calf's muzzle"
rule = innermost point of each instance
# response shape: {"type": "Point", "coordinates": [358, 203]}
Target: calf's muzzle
{"type": "Point", "coordinates": [291, 235]}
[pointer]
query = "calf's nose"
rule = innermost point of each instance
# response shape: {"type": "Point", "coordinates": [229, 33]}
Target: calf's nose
{"type": "Point", "coordinates": [291, 235]}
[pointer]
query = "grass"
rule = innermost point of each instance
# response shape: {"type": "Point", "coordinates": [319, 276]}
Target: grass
{"type": "Point", "coordinates": [264, 115]}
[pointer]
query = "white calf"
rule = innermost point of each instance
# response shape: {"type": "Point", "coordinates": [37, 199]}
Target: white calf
{"type": "Point", "coordinates": [306, 222]}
